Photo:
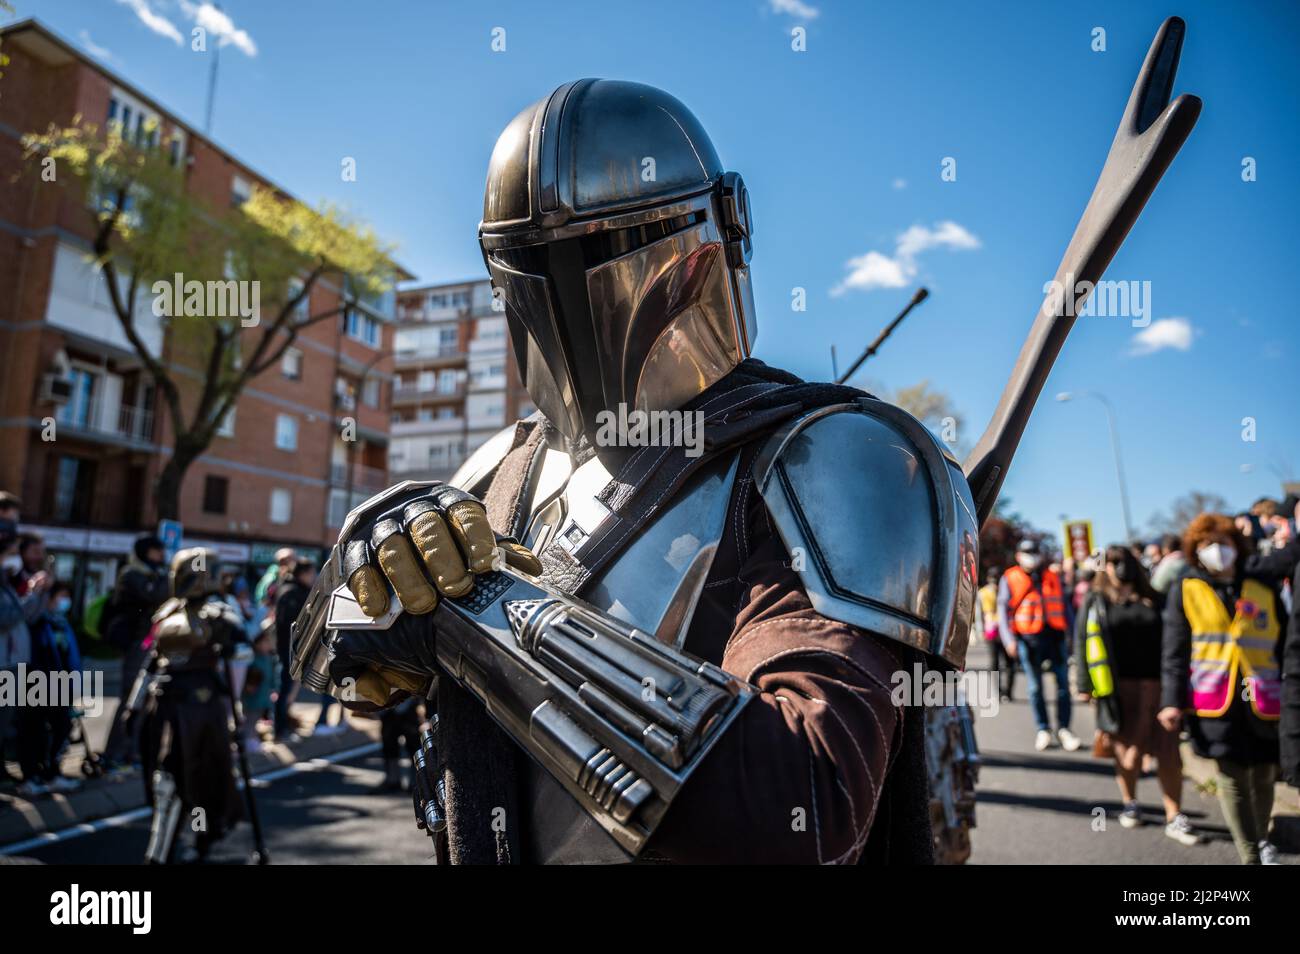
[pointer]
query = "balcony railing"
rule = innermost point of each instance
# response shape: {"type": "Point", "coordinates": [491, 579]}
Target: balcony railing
{"type": "Point", "coordinates": [131, 423]}
{"type": "Point", "coordinates": [415, 392]}
{"type": "Point", "coordinates": [437, 425]}
{"type": "Point", "coordinates": [363, 477]}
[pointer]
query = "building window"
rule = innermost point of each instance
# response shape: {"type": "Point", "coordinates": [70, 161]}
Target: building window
{"type": "Point", "coordinates": [215, 491]}
{"type": "Point", "coordinates": [370, 392]}
{"type": "Point", "coordinates": [227, 426]}
{"type": "Point", "coordinates": [281, 505]}
{"type": "Point", "coordinates": [361, 327]}
{"type": "Point", "coordinates": [446, 413]}
{"type": "Point", "coordinates": [447, 382]}
{"type": "Point", "coordinates": [286, 432]}
{"type": "Point", "coordinates": [345, 389]}
{"type": "Point", "coordinates": [73, 489]}
{"type": "Point", "coordinates": [80, 410]}
{"type": "Point", "coordinates": [291, 364]}
{"type": "Point", "coordinates": [240, 191]}
{"type": "Point", "coordinates": [302, 310]}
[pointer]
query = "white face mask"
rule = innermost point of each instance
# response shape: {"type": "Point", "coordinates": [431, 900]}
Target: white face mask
{"type": "Point", "coordinates": [1028, 561]}
{"type": "Point", "coordinates": [1217, 557]}
{"type": "Point", "coordinates": [12, 563]}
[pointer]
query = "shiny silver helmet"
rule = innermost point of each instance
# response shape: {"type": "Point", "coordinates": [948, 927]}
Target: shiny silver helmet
{"type": "Point", "coordinates": [620, 250]}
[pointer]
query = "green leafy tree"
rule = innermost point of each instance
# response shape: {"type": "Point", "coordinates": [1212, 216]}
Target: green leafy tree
{"type": "Point", "coordinates": [149, 227]}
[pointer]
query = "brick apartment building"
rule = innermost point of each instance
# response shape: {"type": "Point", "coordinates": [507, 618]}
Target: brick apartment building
{"type": "Point", "coordinates": [455, 380]}
{"type": "Point", "coordinates": [278, 474]}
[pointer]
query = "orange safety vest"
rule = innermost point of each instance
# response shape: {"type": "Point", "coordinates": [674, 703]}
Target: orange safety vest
{"type": "Point", "coordinates": [1029, 605]}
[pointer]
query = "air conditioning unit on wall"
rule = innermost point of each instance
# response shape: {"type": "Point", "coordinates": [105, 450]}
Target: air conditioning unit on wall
{"type": "Point", "coordinates": [55, 388]}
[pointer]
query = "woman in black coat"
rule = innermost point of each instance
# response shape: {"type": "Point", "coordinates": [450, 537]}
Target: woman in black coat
{"type": "Point", "coordinates": [1117, 643]}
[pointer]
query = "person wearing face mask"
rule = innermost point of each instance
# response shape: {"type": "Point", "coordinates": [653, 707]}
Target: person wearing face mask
{"type": "Point", "coordinates": [43, 730]}
{"type": "Point", "coordinates": [1221, 675]}
{"type": "Point", "coordinates": [1280, 565]}
{"type": "Point", "coordinates": [1033, 619]}
{"type": "Point", "coordinates": [1117, 643]}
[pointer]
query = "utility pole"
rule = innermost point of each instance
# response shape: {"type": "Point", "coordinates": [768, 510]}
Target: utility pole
{"type": "Point", "coordinates": [1114, 446]}
{"type": "Point", "coordinates": [212, 84]}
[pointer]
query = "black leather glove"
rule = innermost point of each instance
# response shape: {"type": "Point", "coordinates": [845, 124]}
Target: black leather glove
{"type": "Point", "coordinates": [420, 543]}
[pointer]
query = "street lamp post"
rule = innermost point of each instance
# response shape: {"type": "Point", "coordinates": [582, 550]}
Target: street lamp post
{"type": "Point", "coordinates": [1114, 443]}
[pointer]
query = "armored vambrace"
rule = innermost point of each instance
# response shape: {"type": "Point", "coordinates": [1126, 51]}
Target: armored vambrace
{"type": "Point", "coordinates": [619, 719]}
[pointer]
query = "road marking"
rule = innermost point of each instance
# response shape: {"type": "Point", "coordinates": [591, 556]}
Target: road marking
{"type": "Point", "coordinates": [135, 814]}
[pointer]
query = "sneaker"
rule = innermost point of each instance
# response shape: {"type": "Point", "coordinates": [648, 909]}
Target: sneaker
{"type": "Point", "coordinates": [325, 731]}
{"type": "Point", "coordinates": [1131, 816]}
{"type": "Point", "coordinates": [1069, 741]}
{"type": "Point", "coordinates": [1180, 830]}
{"type": "Point", "coordinates": [1268, 853]}
{"type": "Point", "coordinates": [1042, 741]}
{"type": "Point", "coordinates": [63, 785]}
{"type": "Point", "coordinates": [34, 788]}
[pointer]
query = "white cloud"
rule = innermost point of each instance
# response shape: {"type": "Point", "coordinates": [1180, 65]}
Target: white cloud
{"type": "Point", "coordinates": [794, 8]}
{"type": "Point", "coordinates": [218, 23]}
{"type": "Point", "coordinates": [1176, 333]}
{"type": "Point", "coordinates": [153, 20]}
{"type": "Point", "coordinates": [899, 183]}
{"type": "Point", "coordinates": [94, 49]}
{"type": "Point", "coordinates": [877, 270]}
{"type": "Point", "coordinates": [873, 270]}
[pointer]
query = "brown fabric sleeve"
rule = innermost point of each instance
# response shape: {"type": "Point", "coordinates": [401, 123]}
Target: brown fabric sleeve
{"type": "Point", "coordinates": [798, 777]}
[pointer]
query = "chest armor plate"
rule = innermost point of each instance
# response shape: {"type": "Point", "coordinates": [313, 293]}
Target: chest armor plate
{"type": "Point", "coordinates": [654, 583]}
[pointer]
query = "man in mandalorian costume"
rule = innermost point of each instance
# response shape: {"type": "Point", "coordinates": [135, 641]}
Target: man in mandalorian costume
{"type": "Point", "coordinates": [677, 649]}
{"type": "Point", "coordinates": [183, 701]}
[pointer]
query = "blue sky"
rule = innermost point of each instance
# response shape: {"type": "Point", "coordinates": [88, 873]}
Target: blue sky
{"type": "Point", "coordinates": [841, 146]}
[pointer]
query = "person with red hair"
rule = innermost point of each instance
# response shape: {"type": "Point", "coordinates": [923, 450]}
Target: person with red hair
{"type": "Point", "coordinates": [1221, 674]}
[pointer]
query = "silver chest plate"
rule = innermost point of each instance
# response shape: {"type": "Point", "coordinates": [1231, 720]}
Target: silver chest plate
{"type": "Point", "coordinates": [655, 584]}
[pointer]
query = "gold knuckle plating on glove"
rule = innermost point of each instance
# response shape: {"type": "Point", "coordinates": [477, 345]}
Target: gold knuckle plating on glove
{"type": "Point", "coordinates": [436, 546]}
{"type": "Point", "coordinates": [469, 521]}
{"type": "Point", "coordinates": [402, 568]}
{"type": "Point", "coordinates": [368, 586]}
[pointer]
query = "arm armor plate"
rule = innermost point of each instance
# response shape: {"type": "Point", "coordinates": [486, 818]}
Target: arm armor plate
{"type": "Point", "coordinates": [879, 523]}
{"type": "Point", "coordinates": [619, 719]}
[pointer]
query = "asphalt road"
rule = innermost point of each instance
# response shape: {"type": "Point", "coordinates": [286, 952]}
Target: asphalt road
{"type": "Point", "coordinates": [1040, 808]}
{"type": "Point", "coordinates": [1033, 808]}
{"type": "Point", "coordinates": [321, 814]}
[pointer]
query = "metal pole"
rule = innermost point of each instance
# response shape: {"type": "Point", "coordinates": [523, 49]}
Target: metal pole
{"type": "Point", "coordinates": [212, 89]}
{"type": "Point", "coordinates": [1114, 445]}
{"type": "Point", "coordinates": [920, 296]}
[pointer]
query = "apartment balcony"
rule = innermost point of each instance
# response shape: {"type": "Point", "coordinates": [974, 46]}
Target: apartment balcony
{"type": "Point", "coordinates": [413, 394]}
{"type": "Point", "coordinates": [369, 479]}
{"type": "Point", "coordinates": [439, 425]}
{"type": "Point", "coordinates": [112, 423]}
{"type": "Point", "coordinates": [428, 358]}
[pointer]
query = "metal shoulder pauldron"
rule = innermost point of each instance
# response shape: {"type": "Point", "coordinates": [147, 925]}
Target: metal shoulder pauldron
{"type": "Point", "coordinates": [878, 521]}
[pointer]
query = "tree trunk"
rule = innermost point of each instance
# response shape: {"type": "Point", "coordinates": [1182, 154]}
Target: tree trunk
{"type": "Point", "coordinates": [167, 489]}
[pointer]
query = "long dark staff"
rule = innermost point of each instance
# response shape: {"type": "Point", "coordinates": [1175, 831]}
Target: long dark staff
{"type": "Point", "coordinates": [260, 855]}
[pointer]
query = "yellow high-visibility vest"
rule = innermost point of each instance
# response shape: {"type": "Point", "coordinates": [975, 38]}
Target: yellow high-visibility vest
{"type": "Point", "coordinates": [1223, 648]}
{"type": "Point", "coordinates": [1094, 653]}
